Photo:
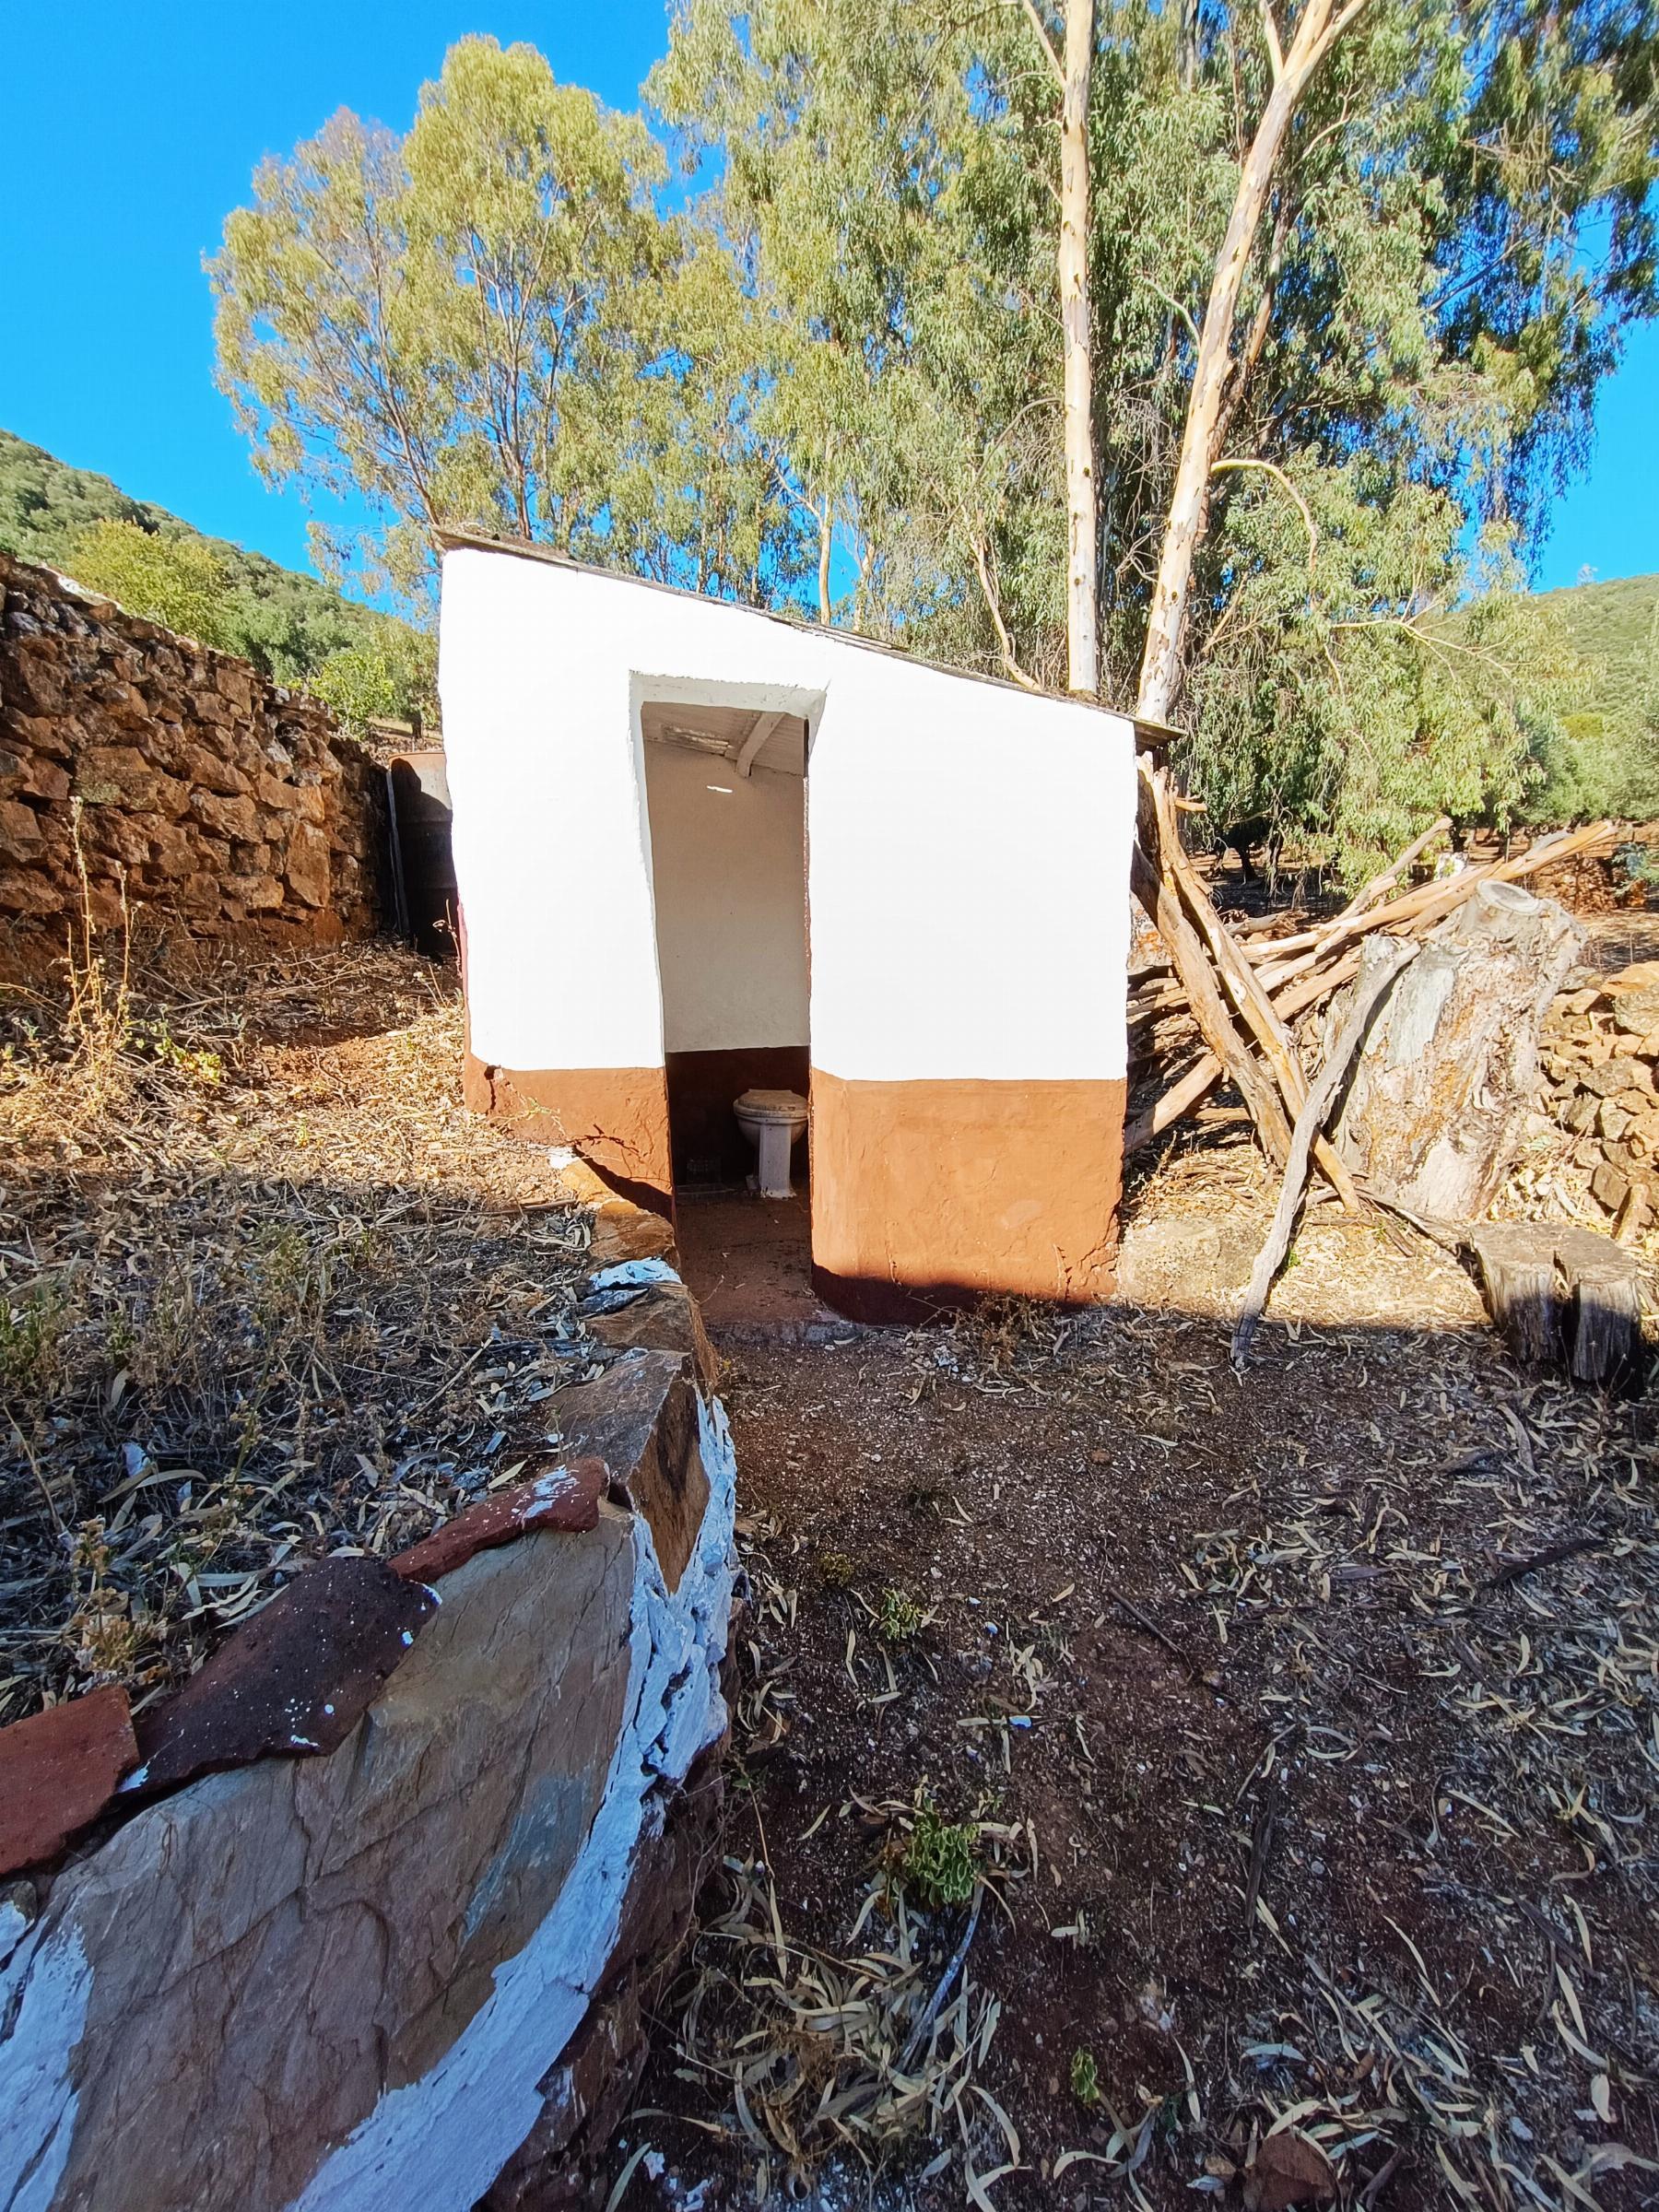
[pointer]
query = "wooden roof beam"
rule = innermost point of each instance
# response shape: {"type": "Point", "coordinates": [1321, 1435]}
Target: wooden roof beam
{"type": "Point", "coordinates": [760, 729]}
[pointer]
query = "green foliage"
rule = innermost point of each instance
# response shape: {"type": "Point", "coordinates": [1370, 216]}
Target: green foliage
{"type": "Point", "coordinates": [836, 374]}
{"type": "Point", "coordinates": [941, 1859]}
{"type": "Point", "coordinates": [180, 582]}
{"type": "Point", "coordinates": [900, 1618]}
{"type": "Point", "coordinates": [1085, 2078]}
{"type": "Point", "coordinates": [487, 324]}
{"type": "Point", "coordinates": [287, 624]}
{"type": "Point", "coordinates": [30, 1335]}
{"type": "Point", "coordinates": [390, 677]}
{"type": "Point", "coordinates": [1461, 228]}
{"type": "Point", "coordinates": [1604, 758]}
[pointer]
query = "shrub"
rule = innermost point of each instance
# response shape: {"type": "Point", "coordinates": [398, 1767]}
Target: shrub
{"type": "Point", "coordinates": [178, 582]}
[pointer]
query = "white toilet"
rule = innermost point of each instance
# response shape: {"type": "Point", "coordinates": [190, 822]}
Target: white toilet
{"type": "Point", "coordinates": [774, 1122]}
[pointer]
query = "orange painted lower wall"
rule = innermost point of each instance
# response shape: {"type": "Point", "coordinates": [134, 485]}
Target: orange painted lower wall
{"type": "Point", "coordinates": [924, 1195]}
{"type": "Point", "coordinates": [931, 1194]}
{"type": "Point", "coordinates": [617, 1118]}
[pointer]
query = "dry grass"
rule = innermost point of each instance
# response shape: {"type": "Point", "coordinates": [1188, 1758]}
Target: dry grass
{"type": "Point", "coordinates": [267, 1292]}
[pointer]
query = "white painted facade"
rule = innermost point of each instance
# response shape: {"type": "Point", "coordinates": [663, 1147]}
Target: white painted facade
{"type": "Point", "coordinates": [968, 842]}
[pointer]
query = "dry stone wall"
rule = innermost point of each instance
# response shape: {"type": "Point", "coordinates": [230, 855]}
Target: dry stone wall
{"type": "Point", "coordinates": [1600, 1068]}
{"type": "Point", "coordinates": [227, 806]}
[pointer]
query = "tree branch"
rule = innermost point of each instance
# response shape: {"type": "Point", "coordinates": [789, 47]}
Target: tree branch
{"type": "Point", "coordinates": [1041, 27]}
{"type": "Point", "coordinates": [1271, 468]}
{"type": "Point", "coordinates": [1275, 52]}
{"type": "Point", "coordinates": [1005, 643]}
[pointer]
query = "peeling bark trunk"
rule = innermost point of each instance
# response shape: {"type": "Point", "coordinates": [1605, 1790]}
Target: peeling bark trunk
{"type": "Point", "coordinates": [1435, 1111]}
{"type": "Point", "coordinates": [1216, 384]}
{"type": "Point", "coordinates": [1082, 580]}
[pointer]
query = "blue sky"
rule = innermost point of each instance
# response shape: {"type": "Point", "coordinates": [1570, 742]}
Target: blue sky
{"type": "Point", "coordinates": [129, 132]}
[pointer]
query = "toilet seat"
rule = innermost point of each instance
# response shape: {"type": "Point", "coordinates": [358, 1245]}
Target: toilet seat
{"type": "Point", "coordinates": [786, 1106]}
{"type": "Point", "coordinates": [774, 1122]}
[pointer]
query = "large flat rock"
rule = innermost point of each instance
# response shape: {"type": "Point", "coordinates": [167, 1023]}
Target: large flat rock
{"type": "Point", "coordinates": [347, 1980]}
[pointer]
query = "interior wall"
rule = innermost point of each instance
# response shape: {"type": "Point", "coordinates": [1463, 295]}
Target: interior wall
{"type": "Point", "coordinates": [729, 882]}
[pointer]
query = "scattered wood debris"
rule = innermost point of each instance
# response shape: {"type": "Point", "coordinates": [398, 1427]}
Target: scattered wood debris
{"type": "Point", "coordinates": [1364, 1640]}
{"type": "Point", "coordinates": [1210, 1000]}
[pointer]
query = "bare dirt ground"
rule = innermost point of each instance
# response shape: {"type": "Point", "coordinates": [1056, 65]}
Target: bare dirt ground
{"type": "Point", "coordinates": [1131, 1758]}
{"type": "Point", "coordinates": [1301, 1731]}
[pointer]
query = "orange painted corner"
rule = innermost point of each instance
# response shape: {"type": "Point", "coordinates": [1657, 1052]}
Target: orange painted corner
{"type": "Point", "coordinates": [932, 1194]}
{"type": "Point", "coordinates": [614, 1118]}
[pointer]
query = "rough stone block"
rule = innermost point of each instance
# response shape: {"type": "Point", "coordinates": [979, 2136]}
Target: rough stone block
{"type": "Point", "coordinates": [23, 891]}
{"type": "Point", "coordinates": [210, 770]}
{"type": "Point", "coordinates": [58, 1769]}
{"type": "Point", "coordinates": [20, 828]}
{"type": "Point", "coordinates": [660, 1316]}
{"type": "Point", "coordinates": [562, 1497]}
{"type": "Point", "coordinates": [641, 1417]}
{"type": "Point", "coordinates": [297, 1678]}
{"type": "Point", "coordinates": [308, 864]}
{"type": "Point", "coordinates": [339, 1981]}
{"type": "Point", "coordinates": [231, 817]}
{"type": "Point", "coordinates": [258, 894]}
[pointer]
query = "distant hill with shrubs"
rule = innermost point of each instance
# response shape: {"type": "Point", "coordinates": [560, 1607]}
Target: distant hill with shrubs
{"type": "Point", "coordinates": [297, 630]}
{"type": "Point", "coordinates": [1608, 762]}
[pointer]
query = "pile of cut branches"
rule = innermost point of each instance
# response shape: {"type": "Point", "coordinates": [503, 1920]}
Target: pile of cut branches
{"type": "Point", "coordinates": [1233, 995]}
{"type": "Point", "coordinates": [1226, 1002]}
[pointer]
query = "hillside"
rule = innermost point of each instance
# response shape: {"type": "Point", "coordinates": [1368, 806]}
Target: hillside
{"type": "Point", "coordinates": [287, 624]}
{"type": "Point", "coordinates": [1607, 759]}
{"type": "Point", "coordinates": [1616, 628]}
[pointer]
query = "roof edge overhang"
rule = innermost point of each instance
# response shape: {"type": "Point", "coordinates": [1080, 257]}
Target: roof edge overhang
{"type": "Point", "coordinates": [1147, 733]}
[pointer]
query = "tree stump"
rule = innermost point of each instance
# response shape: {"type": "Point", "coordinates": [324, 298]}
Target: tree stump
{"type": "Point", "coordinates": [1434, 1113]}
{"type": "Point", "coordinates": [1562, 1292]}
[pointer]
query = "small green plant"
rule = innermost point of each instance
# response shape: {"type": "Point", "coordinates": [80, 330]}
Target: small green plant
{"type": "Point", "coordinates": [836, 1568]}
{"type": "Point", "coordinates": [29, 1339]}
{"type": "Point", "coordinates": [1085, 2078]}
{"type": "Point", "coordinates": [152, 1035]}
{"type": "Point", "coordinates": [901, 1618]}
{"type": "Point", "coordinates": [941, 1859]}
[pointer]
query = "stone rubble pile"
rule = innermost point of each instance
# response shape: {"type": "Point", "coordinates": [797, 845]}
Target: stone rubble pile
{"type": "Point", "coordinates": [1597, 1060]}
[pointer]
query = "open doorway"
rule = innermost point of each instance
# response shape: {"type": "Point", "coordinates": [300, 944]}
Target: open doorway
{"type": "Point", "coordinates": [725, 803]}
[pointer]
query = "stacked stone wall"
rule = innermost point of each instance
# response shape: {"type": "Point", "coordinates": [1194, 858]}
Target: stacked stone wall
{"type": "Point", "coordinates": [219, 804]}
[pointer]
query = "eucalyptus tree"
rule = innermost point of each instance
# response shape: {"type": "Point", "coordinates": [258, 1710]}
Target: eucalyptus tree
{"type": "Point", "coordinates": [485, 323]}
{"type": "Point", "coordinates": [1457, 230]}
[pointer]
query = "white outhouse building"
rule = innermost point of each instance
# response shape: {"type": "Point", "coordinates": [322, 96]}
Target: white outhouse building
{"type": "Point", "coordinates": [721, 870]}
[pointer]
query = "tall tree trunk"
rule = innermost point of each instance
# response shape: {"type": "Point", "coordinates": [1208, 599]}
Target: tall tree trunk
{"type": "Point", "coordinates": [1317, 30]}
{"type": "Point", "coordinates": [1082, 582]}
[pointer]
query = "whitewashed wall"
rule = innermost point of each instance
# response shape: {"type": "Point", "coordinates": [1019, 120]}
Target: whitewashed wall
{"type": "Point", "coordinates": [728, 865]}
{"type": "Point", "coordinates": [968, 844]}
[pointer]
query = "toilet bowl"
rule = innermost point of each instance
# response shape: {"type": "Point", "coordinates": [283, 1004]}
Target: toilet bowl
{"type": "Point", "coordinates": [773, 1121]}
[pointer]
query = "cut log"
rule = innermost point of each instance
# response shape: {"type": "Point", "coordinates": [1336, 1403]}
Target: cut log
{"type": "Point", "coordinates": [1435, 1111]}
{"type": "Point", "coordinates": [1517, 1266]}
{"type": "Point", "coordinates": [1603, 1292]}
{"type": "Point", "coordinates": [1560, 1292]}
{"type": "Point", "coordinates": [1385, 959]}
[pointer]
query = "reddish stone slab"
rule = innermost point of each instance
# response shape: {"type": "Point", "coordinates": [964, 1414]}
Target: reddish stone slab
{"type": "Point", "coordinates": [297, 1678]}
{"type": "Point", "coordinates": [58, 1769]}
{"type": "Point", "coordinates": [565, 1497]}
